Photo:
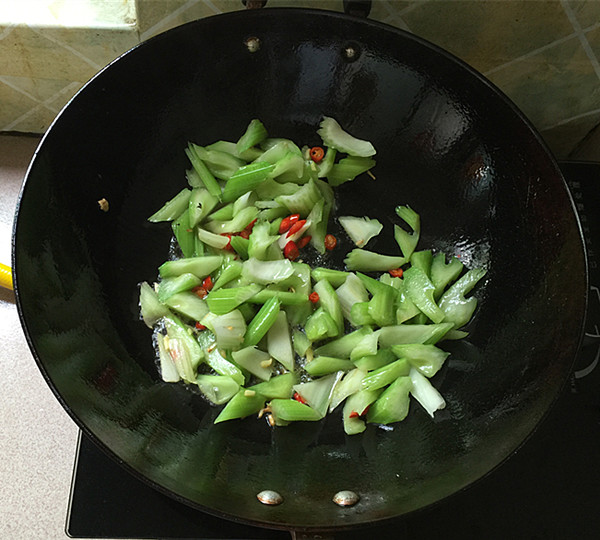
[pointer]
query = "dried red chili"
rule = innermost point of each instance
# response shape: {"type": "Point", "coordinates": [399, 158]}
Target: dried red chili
{"type": "Point", "coordinates": [303, 241]}
{"type": "Point", "coordinates": [295, 227]}
{"type": "Point", "coordinates": [299, 398]}
{"type": "Point", "coordinates": [330, 242]}
{"type": "Point", "coordinates": [313, 297]}
{"type": "Point", "coordinates": [316, 154]}
{"type": "Point", "coordinates": [290, 251]}
{"type": "Point", "coordinates": [396, 272]}
{"type": "Point", "coordinates": [287, 222]}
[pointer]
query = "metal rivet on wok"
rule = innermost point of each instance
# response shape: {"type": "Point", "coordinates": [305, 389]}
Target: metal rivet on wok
{"type": "Point", "coordinates": [269, 497]}
{"type": "Point", "coordinates": [253, 44]}
{"type": "Point", "coordinates": [346, 498]}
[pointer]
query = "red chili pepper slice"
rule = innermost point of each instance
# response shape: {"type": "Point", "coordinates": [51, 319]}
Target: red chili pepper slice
{"type": "Point", "coordinates": [200, 326]}
{"type": "Point", "coordinates": [287, 222]}
{"type": "Point", "coordinates": [330, 242]}
{"type": "Point", "coordinates": [396, 272]}
{"type": "Point", "coordinates": [299, 398]}
{"type": "Point", "coordinates": [303, 241]}
{"type": "Point", "coordinates": [364, 413]}
{"type": "Point", "coordinates": [250, 225]}
{"type": "Point", "coordinates": [245, 234]}
{"type": "Point", "coordinates": [290, 251]}
{"type": "Point", "coordinates": [296, 227]}
{"type": "Point", "coordinates": [313, 297]}
{"type": "Point", "coordinates": [316, 154]}
{"type": "Point", "coordinates": [207, 283]}
{"type": "Point", "coordinates": [353, 414]}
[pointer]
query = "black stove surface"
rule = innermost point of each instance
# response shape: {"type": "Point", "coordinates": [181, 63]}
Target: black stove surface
{"type": "Point", "coordinates": [549, 489]}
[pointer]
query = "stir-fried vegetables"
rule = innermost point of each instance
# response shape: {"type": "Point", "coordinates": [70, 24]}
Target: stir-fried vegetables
{"type": "Point", "coordinates": [238, 315]}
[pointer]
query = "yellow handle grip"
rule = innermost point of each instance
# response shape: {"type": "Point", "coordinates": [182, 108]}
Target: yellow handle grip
{"type": "Point", "coordinates": [6, 280]}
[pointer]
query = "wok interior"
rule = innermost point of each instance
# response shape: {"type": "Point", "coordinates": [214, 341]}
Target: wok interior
{"type": "Point", "coordinates": [448, 145]}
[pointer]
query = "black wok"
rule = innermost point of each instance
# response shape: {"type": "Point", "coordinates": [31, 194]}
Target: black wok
{"type": "Point", "coordinates": [449, 144]}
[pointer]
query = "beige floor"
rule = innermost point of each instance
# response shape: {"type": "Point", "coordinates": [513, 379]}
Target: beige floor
{"type": "Point", "coordinates": [37, 438]}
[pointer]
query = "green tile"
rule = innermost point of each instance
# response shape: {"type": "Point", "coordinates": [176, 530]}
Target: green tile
{"type": "Point", "coordinates": [489, 33]}
{"type": "Point", "coordinates": [587, 12]}
{"type": "Point", "coordinates": [553, 85]}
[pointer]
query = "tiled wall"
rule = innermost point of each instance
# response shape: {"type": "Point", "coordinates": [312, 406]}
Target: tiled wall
{"type": "Point", "coordinates": [545, 54]}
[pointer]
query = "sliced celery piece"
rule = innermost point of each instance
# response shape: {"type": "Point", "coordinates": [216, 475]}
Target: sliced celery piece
{"type": "Point", "coordinates": [428, 359]}
{"type": "Point", "coordinates": [201, 204]}
{"type": "Point", "coordinates": [262, 321]}
{"type": "Point", "coordinates": [348, 385]}
{"type": "Point", "coordinates": [222, 214]}
{"type": "Point", "coordinates": [241, 405]}
{"type": "Point", "coordinates": [424, 392]}
{"type": "Point", "coordinates": [257, 362]}
{"type": "Point", "coordinates": [443, 273]}
{"type": "Point", "coordinates": [260, 240]}
{"type": "Point", "coordinates": [423, 260]}
{"type": "Point", "coordinates": [324, 365]}
{"type": "Point", "coordinates": [188, 304]}
{"type": "Point", "coordinates": [342, 347]}
{"type": "Point", "coordinates": [300, 342]}
{"type": "Point", "coordinates": [212, 239]}
{"type": "Point", "coordinates": [223, 301]}
{"type": "Point", "coordinates": [412, 333]}
{"type": "Point", "coordinates": [375, 361]}
{"type": "Point", "coordinates": [290, 410]}
{"type": "Point", "coordinates": [360, 315]}
{"type": "Point", "coordinates": [207, 178]}
{"type": "Point", "coordinates": [360, 229]}
{"type": "Point", "coordinates": [231, 148]}
{"type": "Point", "coordinates": [456, 308]}
{"type": "Point", "coordinates": [280, 387]}
{"type": "Point", "coordinates": [216, 361]}
{"type": "Point", "coordinates": [199, 266]}
{"type": "Point", "coordinates": [152, 309]}
{"type": "Point", "coordinates": [366, 346]}
{"type": "Point", "coordinates": [302, 201]}
{"type": "Point", "coordinates": [327, 162]}
{"type": "Point", "coordinates": [407, 241]}
{"type": "Point", "coordinates": [356, 408]}
{"type": "Point", "coordinates": [221, 164]}
{"type": "Point", "coordinates": [186, 239]}
{"type": "Point", "coordinates": [369, 261]}
{"type": "Point", "coordinates": [329, 301]}
{"type": "Point", "coordinates": [335, 277]}
{"type": "Point", "coordinates": [236, 224]}
{"type": "Point", "coordinates": [229, 329]}
{"type": "Point", "coordinates": [231, 270]}
{"type": "Point", "coordinates": [265, 272]}
{"type": "Point", "coordinates": [218, 389]}
{"type": "Point", "coordinates": [351, 292]}
{"type": "Point", "coordinates": [240, 245]}
{"type": "Point", "coordinates": [320, 325]}
{"type": "Point", "coordinates": [286, 298]}
{"type": "Point", "coordinates": [385, 375]}
{"type": "Point", "coordinates": [246, 178]}
{"type": "Point", "coordinates": [169, 286]}
{"type": "Point", "coordinates": [279, 342]}
{"type": "Point", "coordinates": [255, 133]}
{"type": "Point", "coordinates": [347, 169]}
{"type": "Point", "coordinates": [334, 136]}
{"type": "Point", "coordinates": [393, 404]}
{"type": "Point", "coordinates": [172, 209]}
{"type": "Point", "coordinates": [318, 393]}
{"type": "Point", "coordinates": [420, 290]}
{"type": "Point", "coordinates": [168, 369]}
{"type": "Point", "coordinates": [381, 307]}
{"type": "Point", "coordinates": [184, 349]}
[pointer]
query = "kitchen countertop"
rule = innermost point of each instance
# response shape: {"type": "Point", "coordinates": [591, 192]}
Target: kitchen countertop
{"type": "Point", "coordinates": [37, 437]}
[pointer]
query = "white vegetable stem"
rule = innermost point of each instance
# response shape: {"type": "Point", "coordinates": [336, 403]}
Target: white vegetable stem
{"type": "Point", "coordinates": [424, 392]}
